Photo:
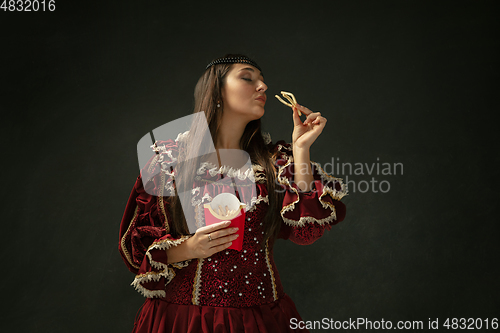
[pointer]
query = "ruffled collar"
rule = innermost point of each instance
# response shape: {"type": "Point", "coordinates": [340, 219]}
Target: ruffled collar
{"type": "Point", "coordinates": [212, 170]}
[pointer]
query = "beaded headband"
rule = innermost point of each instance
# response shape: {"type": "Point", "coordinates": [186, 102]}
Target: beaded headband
{"type": "Point", "coordinates": [233, 60]}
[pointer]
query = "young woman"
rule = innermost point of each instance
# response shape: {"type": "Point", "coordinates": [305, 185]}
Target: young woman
{"type": "Point", "coordinates": [193, 282]}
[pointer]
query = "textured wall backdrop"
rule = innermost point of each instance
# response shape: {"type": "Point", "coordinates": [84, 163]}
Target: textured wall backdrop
{"type": "Point", "coordinates": [399, 82]}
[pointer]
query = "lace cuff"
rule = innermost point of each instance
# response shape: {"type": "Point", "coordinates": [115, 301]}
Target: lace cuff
{"type": "Point", "coordinates": [315, 206]}
{"type": "Point", "coordinates": [155, 272]}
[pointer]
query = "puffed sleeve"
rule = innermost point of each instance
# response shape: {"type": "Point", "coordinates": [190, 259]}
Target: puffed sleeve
{"type": "Point", "coordinates": [306, 215]}
{"type": "Point", "coordinates": [145, 226]}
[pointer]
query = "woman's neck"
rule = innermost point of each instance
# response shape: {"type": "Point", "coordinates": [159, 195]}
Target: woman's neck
{"type": "Point", "coordinates": [230, 133]}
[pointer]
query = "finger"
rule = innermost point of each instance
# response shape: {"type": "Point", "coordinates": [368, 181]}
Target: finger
{"type": "Point", "coordinates": [303, 109]}
{"type": "Point", "coordinates": [223, 240]}
{"type": "Point", "coordinates": [320, 120]}
{"type": "Point", "coordinates": [320, 125]}
{"type": "Point", "coordinates": [223, 233]}
{"type": "Point", "coordinates": [296, 117]}
{"type": "Point", "coordinates": [213, 227]}
{"type": "Point", "coordinates": [311, 117]}
{"type": "Point", "coordinates": [218, 248]}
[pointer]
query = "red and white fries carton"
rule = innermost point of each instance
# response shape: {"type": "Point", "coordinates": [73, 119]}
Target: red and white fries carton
{"type": "Point", "coordinates": [227, 207]}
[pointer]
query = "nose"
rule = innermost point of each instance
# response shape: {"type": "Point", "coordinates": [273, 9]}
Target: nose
{"type": "Point", "coordinates": [262, 87]}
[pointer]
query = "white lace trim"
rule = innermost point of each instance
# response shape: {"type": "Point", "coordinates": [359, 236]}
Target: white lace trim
{"type": "Point", "coordinates": [289, 148]}
{"type": "Point", "coordinates": [284, 181]}
{"type": "Point", "coordinates": [257, 168]}
{"type": "Point", "coordinates": [267, 137]}
{"type": "Point", "coordinates": [336, 194]}
{"type": "Point", "coordinates": [229, 171]}
{"type": "Point", "coordinates": [161, 151]}
{"type": "Point", "coordinates": [164, 269]}
{"type": "Point", "coordinates": [169, 186]}
{"type": "Point", "coordinates": [182, 136]}
{"type": "Point", "coordinates": [309, 219]}
{"type": "Point", "coordinates": [196, 192]}
{"type": "Point", "coordinates": [255, 201]}
{"type": "Point", "coordinates": [259, 174]}
{"type": "Point", "coordinates": [165, 168]}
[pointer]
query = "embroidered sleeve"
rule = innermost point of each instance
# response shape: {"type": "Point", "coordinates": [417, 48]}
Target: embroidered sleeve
{"type": "Point", "coordinates": [306, 215]}
{"type": "Point", "coordinates": [144, 230]}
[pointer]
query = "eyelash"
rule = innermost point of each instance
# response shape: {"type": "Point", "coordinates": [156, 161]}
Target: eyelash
{"type": "Point", "coordinates": [246, 79]}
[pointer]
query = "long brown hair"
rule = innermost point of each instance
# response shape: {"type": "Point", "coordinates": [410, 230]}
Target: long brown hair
{"type": "Point", "coordinates": [207, 94]}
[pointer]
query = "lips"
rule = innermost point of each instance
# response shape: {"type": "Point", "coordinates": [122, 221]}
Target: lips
{"type": "Point", "coordinates": [261, 98]}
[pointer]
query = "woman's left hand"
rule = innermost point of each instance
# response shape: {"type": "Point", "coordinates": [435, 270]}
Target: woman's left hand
{"type": "Point", "coordinates": [305, 133]}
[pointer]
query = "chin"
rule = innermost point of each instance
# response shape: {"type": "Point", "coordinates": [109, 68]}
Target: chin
{"type": "Point", "coordinates": [252, 114]}
{"type": "Point", "coordinates": [259, 114]}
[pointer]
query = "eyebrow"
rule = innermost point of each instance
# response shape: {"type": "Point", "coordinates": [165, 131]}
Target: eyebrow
{"type": "Point", "coordinates": [249, 69]}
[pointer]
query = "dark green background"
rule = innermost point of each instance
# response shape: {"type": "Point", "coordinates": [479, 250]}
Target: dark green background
{"type": "Point", "coordinates": [404, 81]}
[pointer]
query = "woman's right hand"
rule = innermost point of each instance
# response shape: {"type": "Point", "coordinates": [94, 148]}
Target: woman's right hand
{"type": "Point", "coordinates": [211, 239]}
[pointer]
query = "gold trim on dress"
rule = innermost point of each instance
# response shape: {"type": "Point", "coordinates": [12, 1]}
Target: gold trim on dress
{"type": "Point", "coordinates": [273, 281]}
{"type": "Point", "coordinates": [124, 247]}
{"type": "Point", "coordinates": [181, 264]}
{"type": "Point", "coordinates": [148, 277]}
{"type": "Point", "coordinates": [160, 202]}
{"type": "Point", "coordinates": [337, 195]}
{"type": "Point", "coordinates": [284, 181]}
{"type": "Point", "coordinates": [196, 284]}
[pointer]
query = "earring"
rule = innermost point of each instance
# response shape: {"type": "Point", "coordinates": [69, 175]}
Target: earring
{"type": "Point", "coordinates": [218, 104]}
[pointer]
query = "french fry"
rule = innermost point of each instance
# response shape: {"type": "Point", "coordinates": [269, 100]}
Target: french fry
{"type": "Point", "coordinates": [225, 212]}
{"type": "Point", "coordinates": [290, 97]}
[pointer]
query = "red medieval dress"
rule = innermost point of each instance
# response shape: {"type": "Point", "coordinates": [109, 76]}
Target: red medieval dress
{"type": "Point", "coordinates": [231, 291]}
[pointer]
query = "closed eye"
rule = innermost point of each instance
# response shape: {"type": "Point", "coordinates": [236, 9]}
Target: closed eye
{"type": "Point", "coordinates": [244, 78]}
